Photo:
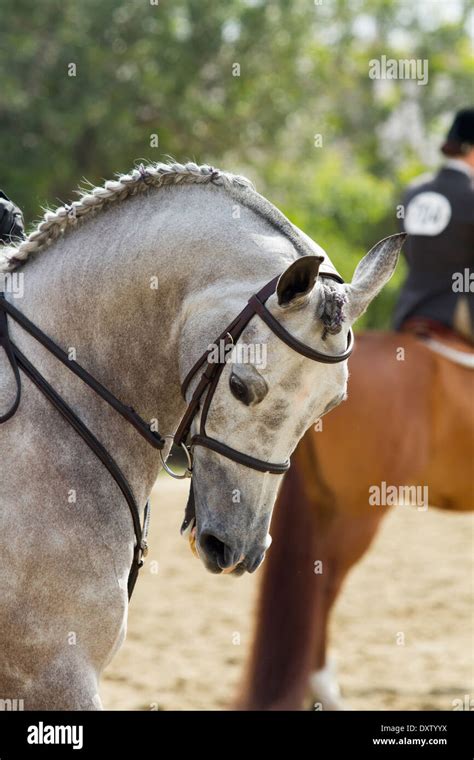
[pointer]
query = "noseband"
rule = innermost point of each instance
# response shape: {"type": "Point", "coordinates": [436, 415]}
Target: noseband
{"type": "Point", "coordinates": [203, 393]}
{"type": "Point", "coordinates": [207, 384]}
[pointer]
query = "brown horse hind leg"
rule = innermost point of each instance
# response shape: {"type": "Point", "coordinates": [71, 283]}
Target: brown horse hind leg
{"type": "Point", "coordinates": [342, 540]}
{"type": "Point", "coordinates": [314, 546]}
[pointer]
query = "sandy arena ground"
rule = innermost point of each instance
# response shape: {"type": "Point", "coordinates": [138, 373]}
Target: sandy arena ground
{"type": "Point", "coordinates": [182, 653]}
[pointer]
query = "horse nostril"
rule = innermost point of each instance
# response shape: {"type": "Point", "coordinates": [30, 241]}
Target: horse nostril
{"type": "Point", "coordinates": [218, 550]}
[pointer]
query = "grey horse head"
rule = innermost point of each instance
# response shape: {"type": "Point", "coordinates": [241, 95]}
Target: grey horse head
{"type": "Point", "coordinates": [262, 407]}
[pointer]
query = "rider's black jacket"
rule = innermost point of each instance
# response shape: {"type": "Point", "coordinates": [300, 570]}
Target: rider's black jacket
{"type": "Point", "coordinates": [439, 218]}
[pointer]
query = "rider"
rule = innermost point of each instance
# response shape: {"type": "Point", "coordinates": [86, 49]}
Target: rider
{"type": "Point", "coordinates": [439, 218]}
{"type": "Point", "coordinates": [11, 221]}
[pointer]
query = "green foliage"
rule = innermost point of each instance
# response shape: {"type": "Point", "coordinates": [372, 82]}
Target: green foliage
{"type": "Point", "coordinates": [168, 69]}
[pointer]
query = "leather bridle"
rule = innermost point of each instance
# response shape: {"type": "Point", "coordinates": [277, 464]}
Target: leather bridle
{"type": "Point", "coordinates": [203, 394]}
{"type": "Point", "coordinates": [207, 384]}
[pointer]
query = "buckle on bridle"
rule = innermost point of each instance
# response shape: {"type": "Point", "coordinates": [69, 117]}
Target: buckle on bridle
{"type": "Point", "coordinates": [143, 551]}
{"type": "Point", "coordinates": [189, 468]}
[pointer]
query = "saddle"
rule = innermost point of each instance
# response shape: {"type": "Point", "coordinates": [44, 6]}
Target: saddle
{"type": "Point", "coordinates": [442, 340]}
{"type": "Point", "coordinates": [430, 328]}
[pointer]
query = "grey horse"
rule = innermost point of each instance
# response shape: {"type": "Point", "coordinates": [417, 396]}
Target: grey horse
{"type": "Point", "coordinates": [134, 280]}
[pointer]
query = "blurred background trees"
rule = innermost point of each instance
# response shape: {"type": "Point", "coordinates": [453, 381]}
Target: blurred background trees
{"type": "Point", "coordinates": [278, 90]}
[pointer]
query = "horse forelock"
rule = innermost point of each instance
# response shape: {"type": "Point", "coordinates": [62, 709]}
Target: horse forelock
{"type": "Point", "coordinates": [330, 308]}
{"type": "Point", "coordinates": [57, 221]}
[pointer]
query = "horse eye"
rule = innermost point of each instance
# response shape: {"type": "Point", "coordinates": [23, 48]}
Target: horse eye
{"type": "Point", "coordinates": [239, 389]}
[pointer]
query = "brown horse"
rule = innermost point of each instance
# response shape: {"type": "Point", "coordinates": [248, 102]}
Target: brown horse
{"type": "Point", "coordinates": [409, 419]}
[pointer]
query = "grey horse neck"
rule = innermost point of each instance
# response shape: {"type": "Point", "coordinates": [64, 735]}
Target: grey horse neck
{"type": "Point", "coordinates": [128, 294]}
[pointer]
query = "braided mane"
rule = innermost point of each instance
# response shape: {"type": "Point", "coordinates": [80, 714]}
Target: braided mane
{"type": "Point", "coordinates": [139, 180]}
{"type": "Point", "coordinates": [56, 222]}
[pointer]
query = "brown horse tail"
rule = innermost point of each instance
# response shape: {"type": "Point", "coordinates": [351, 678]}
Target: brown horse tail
{"type": "Point", "coordinates": [281, 658]}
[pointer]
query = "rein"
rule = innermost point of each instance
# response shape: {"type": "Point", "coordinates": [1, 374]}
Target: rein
{"type": "Point", "coordinates": [19, 361]}
{"type": "Point", "coordinates": [205, 388]}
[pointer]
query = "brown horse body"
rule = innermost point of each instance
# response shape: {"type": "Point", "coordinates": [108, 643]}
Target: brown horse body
{"type": "Point", "coordinates": [409, 419]}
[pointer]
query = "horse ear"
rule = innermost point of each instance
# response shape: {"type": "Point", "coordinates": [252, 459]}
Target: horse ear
{"type": "Point", "coordinates": [371, 274]}
{"type": "Point", "coordinates": [298, 280]}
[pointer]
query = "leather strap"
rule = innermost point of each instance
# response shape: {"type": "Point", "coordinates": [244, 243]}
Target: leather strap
{"type": "Point", "coordinates": [101, 453]}
{"type": "Point", "coordinates": [18, 360]}
{"type": "Point", "coordinates": [6, 345]}
{"type": "Point", "coordinates": [238, 456]}
{"type": "Point", "coordinates": [127, 412]}
{"type": "Point", "coordinates": [294, 343]}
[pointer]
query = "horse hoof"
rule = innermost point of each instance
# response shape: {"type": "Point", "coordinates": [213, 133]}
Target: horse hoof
{"type": "Point", "coordinates": [325, 691]}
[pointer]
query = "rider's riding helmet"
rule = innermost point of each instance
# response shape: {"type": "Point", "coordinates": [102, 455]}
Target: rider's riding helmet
{"type": "Point", "coordinates": [460, 139]}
